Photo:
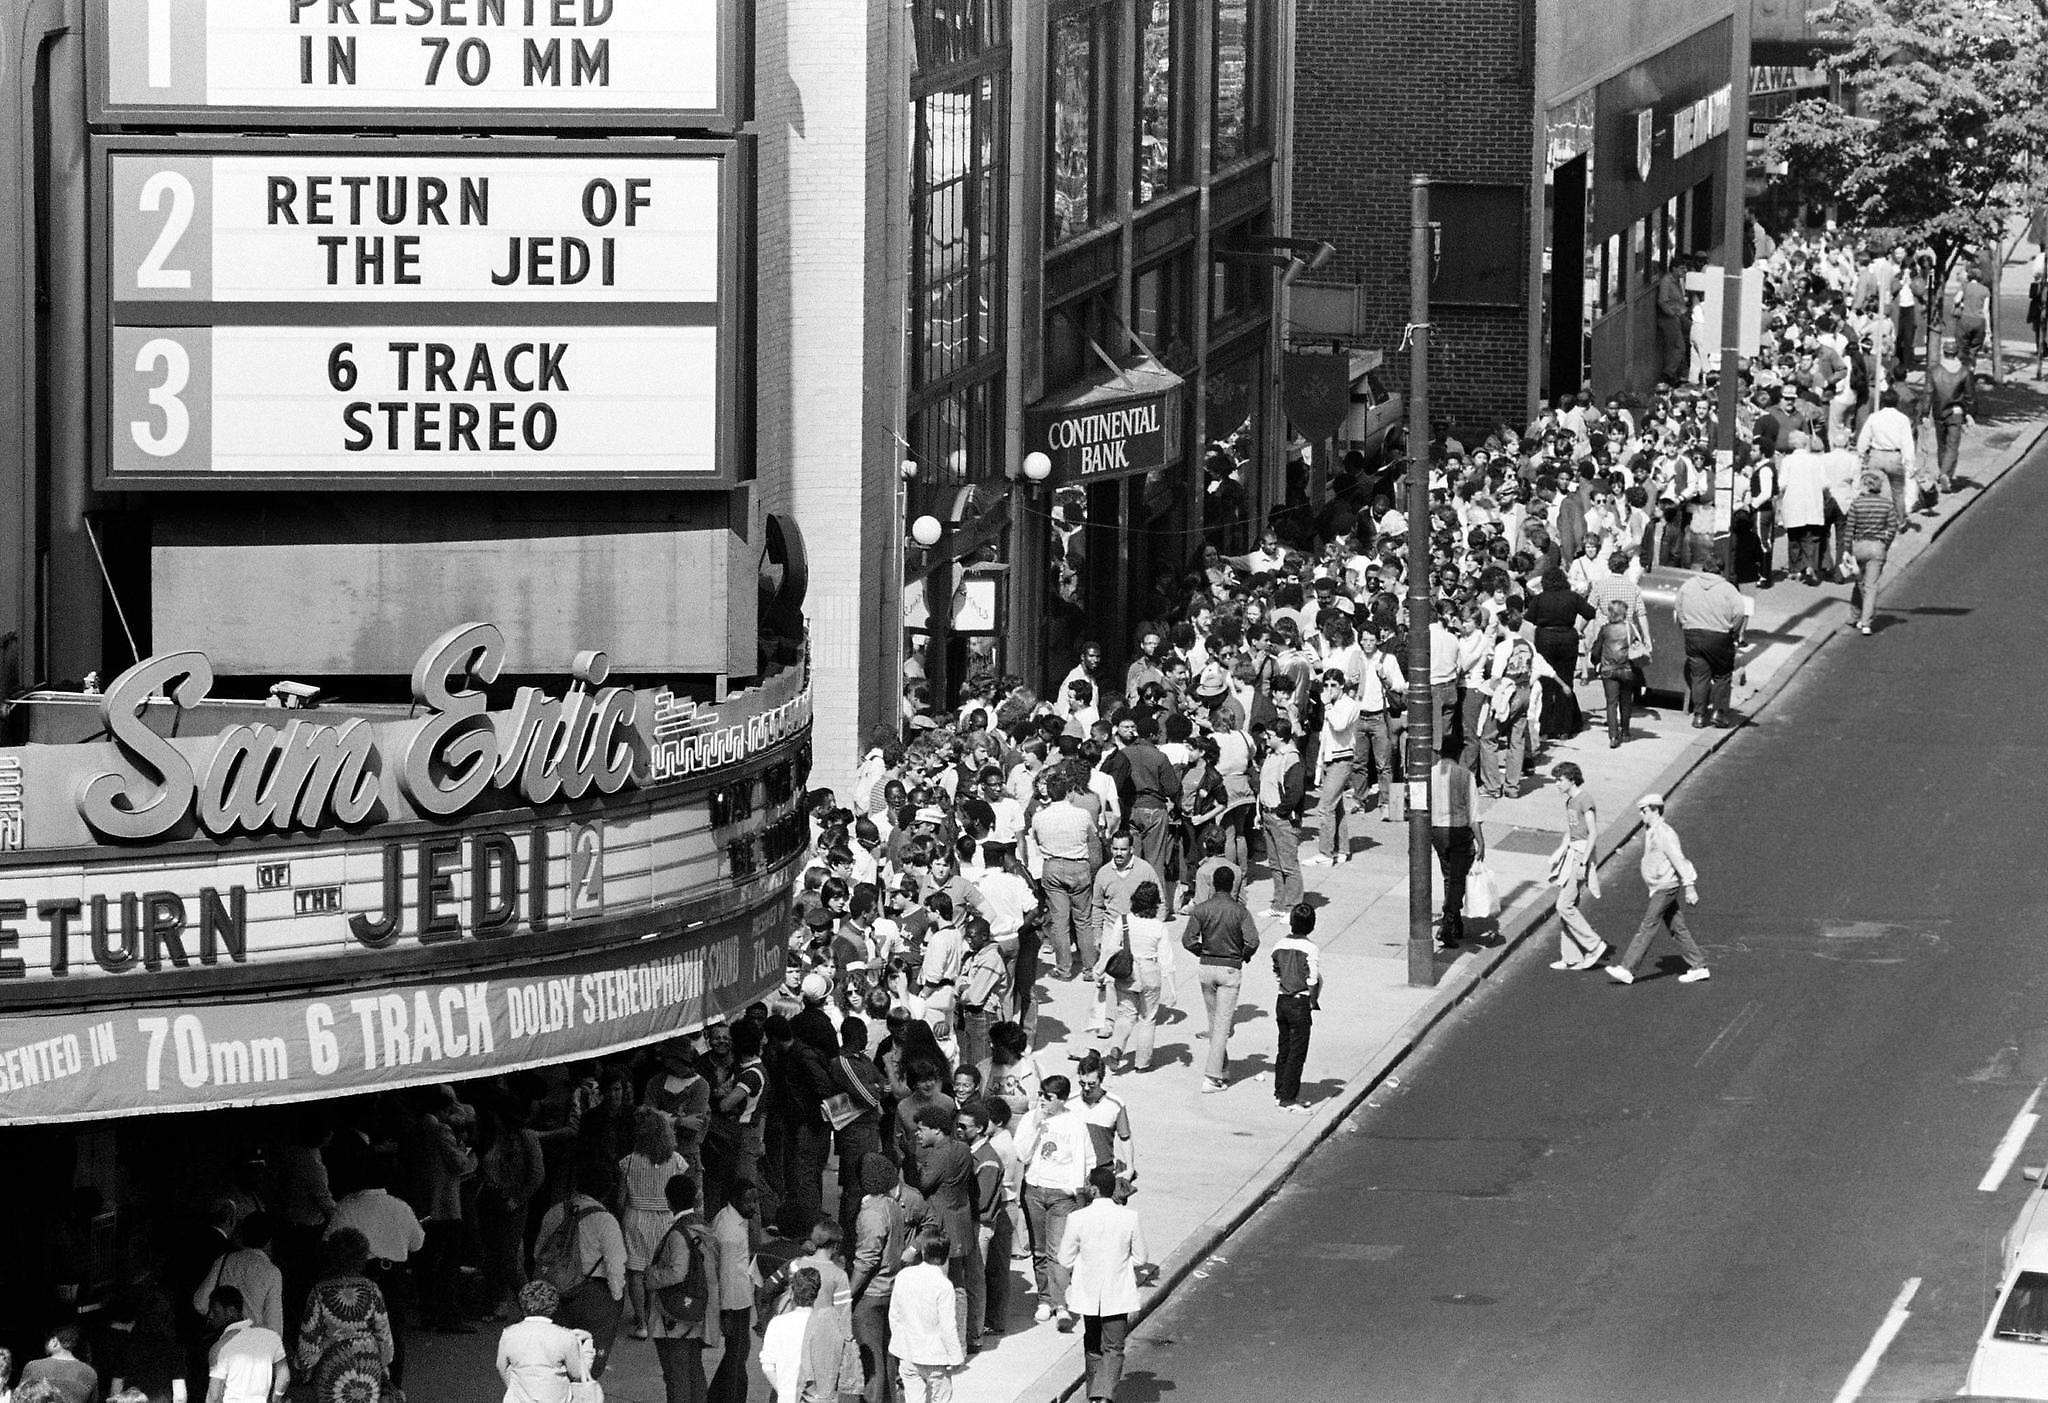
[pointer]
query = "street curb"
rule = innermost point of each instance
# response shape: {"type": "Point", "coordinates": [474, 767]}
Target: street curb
{"type": "Point", "coordinates": [1063, 1379]}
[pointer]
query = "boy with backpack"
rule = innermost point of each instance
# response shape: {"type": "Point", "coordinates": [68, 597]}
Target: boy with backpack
{"type": "Point", "coordinates": [1612, 660]}
{"type": "Point", "coordinates": [682, 1281]}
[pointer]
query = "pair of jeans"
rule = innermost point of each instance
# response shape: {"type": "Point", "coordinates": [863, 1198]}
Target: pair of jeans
{"type": "Point", "coordinates": [970, 1278]}
{"type": "Point", "coordinates": [1294, 1018]}
{"type": "Point", "coordinates": [1332, 799]}
{"type": "Point", "coordinates": [1948, 442]}
{"type": "Point", "coordinates": [1151, 826]}
{"type": "Point", "coordinates": [1471, 721]}
{"type": "Point", "coordinates": [926, 1383]}
{"type": "Point", "coordinates": [682, 1370]}
{"type": "Point", "coordinates": [1621, 700]}
{"type": "Point", "coordinates": [1504, 757]}
{"type": "Point", "coordinates": [805, 1151]}
{"type": "Point", "coordinates": [439, 1267]}
{"type": "Point", "coordinates": [1045, 1218]}
{"type": "Point", "coordinates": [1870, 558]}
{"type": "Point", "coordinates": [1102, 1345]}
{"type": "Point", "coordinates": [1709, 670]}
{"type": "Point", "coordinates": [1665, 911]}
{"type": "Point", "coordinates": [1221, 985]}
{"type": "Point", "coordinates": [1456, 850]}
{"type": "Point", "coordinates": [974, 1026]}
{"type": "Point", "coordinates": [729, 1382]}
{"type": "Point", "coordinates": [1283, 856]}
{"type": "Point", "coordinates": [1069, 885]}
{"type": "Point", "coordinates": [1376, 733]}
{"type": "Point", "coordinates": [1893, 466]}
{"type": "Point", "coordinates": [997, 1239]}
{"type": "Point", "coordinates": [871, 1333]}
{"type": "Point", "coordinates": [1136, 1019]}
{"type": "Point", "coordinates": [1576, 937]}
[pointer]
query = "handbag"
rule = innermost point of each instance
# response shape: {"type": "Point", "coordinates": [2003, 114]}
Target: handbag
{"type": "Point", "coordinates": [1482, 893]}
{"type": "Point", "coordinates": [1119, 964]}
{"type": "Point", "coordinates": [586, 1391]}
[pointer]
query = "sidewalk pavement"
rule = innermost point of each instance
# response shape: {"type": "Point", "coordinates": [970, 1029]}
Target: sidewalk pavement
{"type": "Point", "coordinates": [1206, 1163]}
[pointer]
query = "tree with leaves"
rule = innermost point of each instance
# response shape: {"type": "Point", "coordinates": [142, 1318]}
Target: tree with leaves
{"type": "Point", "coordinates": [1939, 147]}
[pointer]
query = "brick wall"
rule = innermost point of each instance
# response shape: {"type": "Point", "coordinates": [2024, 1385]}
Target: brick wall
{"type": "Point", "coordinates": [1384, 89]}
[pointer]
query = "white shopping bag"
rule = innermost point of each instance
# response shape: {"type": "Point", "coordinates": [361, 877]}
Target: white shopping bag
{"type": "Point", "coordinates": [1482, 894]}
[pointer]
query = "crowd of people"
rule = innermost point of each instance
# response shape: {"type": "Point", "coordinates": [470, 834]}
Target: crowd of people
{"type": "Point", "coordinates": [857, 1184]}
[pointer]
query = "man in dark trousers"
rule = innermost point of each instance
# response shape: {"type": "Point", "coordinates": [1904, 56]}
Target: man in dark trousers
{"type": "Point", "coordinates": [1222, 936]}
{"type": "Point", "coordinates": [1711, 613]}
{"type": "Point", "coordinates": [945, 1176]}
{"type": "Point", "coordinates": [1457, 839]}
{"type": "Point", "coordinates": [1298, 969]}
{"type": "Point", "coordinates": [1148, 783]}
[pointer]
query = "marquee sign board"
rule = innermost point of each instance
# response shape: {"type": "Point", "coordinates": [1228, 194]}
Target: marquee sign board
{"type": "Point", "coordinates": [310, 846]}
{"type": "Point", "coordinates": [539, 315]}
{"type": "Point", "coordinates": [477, 64]}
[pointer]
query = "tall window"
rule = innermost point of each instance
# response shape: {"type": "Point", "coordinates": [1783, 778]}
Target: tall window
{"type": "Point", "coordinates": [1078, 62]}
{"type": "Point", "coordinates": [959, 134]}
{"type": "Point", "coordinates": [1160, 308]}
{"type": "Point", "coordinates": [1237, 119]}
{"type": "Point", "coordinates": [1157, 168]}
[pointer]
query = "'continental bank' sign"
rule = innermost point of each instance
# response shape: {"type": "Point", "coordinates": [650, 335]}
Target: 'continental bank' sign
{"type": "Point", "coordinates": [1117, 427]}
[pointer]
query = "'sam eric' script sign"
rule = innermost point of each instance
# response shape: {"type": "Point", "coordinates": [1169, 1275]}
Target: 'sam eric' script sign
{"type": "Point", "coordinates": [657, 63]}
{"type": "Point", "coordinates": [533, 316]}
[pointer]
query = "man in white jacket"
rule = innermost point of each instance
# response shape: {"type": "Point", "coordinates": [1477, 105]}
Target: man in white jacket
{"type": "Point", "coordinates": [1104, 1252]}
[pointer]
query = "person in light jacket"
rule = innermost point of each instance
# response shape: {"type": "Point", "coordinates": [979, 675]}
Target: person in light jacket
{"type": "Point", "coordinates": [1673, 885]}
{"type": "Point", "coordinates": [1104, 1253]}
{"type": "Point", "coordinates": [924, 1326]}
{"type": "Point", "coordinates": [1802, 508]}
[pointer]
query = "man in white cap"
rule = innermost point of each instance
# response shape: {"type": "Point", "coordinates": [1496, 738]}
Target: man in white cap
{"type": "Point", "coordinates": [1673, 885]}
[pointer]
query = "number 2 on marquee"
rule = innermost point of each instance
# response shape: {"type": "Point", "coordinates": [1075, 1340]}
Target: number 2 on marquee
{"type": "Point", "coordinates": [177, 220]}
{"type": "Point", "coordinates": [163, 396]}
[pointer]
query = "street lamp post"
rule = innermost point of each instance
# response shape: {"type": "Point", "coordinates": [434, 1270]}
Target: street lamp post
{"type": "Point", "coordinates": [1421, 749]}
{"type": "Point", "coordinates": [1733, 213]}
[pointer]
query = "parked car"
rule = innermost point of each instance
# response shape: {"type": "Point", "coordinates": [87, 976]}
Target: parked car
{"type": "Point", "coordinates": [2012, 1354]}
{"type": "Point", "coordinates": [2033, 1220]}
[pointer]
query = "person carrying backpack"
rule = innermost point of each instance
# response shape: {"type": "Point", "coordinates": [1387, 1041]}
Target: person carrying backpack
{"type": "Point", "coordinates": [682, 1284]}
{"type": "Point", "coordinates": [1611, 659]}
{"type": "Point", "coordinates": [581, 1252]}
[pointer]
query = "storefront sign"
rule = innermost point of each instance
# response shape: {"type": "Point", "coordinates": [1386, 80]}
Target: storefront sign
{"type": "Point", "coordinates": [1698, 123]}
{"type": "Point", "coordinates": [539, 317]}
{"type": "Point", "coordinates": [322, 62]}
{"type": "Point", "coordinates": [212, 1054]}
{"type": "Point", "coordinates": [1110, 431]}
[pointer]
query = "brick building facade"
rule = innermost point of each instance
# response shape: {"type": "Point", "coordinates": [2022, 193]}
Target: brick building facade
{"type": "Point", "coordinates": [1381, 91]}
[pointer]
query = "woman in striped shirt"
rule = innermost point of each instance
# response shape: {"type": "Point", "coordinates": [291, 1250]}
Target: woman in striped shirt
{"type": "Point", "coordinates": [1873, 522]}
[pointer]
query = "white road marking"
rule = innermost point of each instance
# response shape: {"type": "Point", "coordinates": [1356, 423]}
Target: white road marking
{"type": "Point", "coordinates": [2009, 1148]}
{"type": "Point", "coordinates": [1894, 1321]}
{"type": "Point", "coordinates": [1735, 1026]}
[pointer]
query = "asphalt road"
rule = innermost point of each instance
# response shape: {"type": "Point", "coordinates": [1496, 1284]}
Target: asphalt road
{"type": "Point", "coordinates": [1584, 1193]}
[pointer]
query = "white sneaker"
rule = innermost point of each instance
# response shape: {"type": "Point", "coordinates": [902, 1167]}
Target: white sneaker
{"type": "Point", "coordinates": [1043, 1313]}
{"type": "Point", "coordinates": [1694, 976]}
{"type": "Point", "coordinates": [1563, 964]}
{"type": "Point", "coordinates": [1620, 975]}
{"type": "Point", "coordinates": [1315, 860]}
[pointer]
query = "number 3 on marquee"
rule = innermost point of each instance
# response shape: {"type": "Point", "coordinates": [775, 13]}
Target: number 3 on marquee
{"type": "Point", "coordinates": [163, 397]}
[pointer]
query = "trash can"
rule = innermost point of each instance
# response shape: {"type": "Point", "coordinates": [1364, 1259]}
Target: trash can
{"type": "Point", "coordinates": [1664, 671]}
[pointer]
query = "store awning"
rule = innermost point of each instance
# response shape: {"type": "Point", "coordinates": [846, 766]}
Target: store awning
{"type": "Point", "coordinates": [1118, 424]}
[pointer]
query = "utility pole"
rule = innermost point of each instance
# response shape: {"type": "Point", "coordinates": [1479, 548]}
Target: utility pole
{"type": "Point", "coordinates": [1733, 213]}
{"type": "Point", "coordinates": [1421, 752]}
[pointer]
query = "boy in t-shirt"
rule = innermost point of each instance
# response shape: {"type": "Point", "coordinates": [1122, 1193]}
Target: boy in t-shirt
{"type": "Point", "coordinates": [1298, 968]}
